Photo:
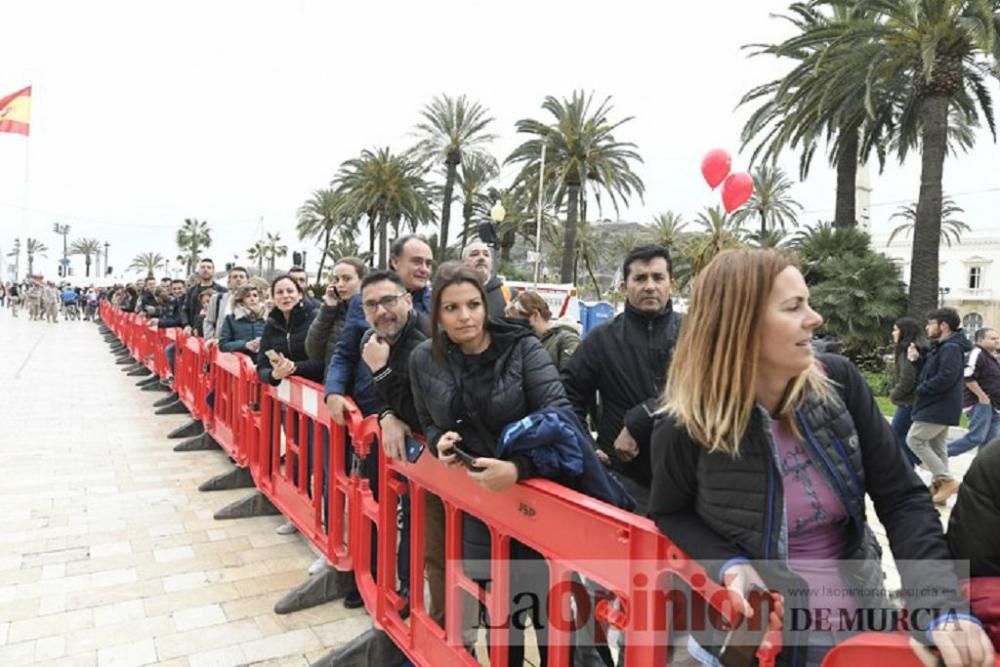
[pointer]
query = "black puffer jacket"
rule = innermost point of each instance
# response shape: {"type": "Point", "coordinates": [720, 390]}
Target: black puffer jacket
{"type": "Point", "coordinates": [325, 330]}
{"type": "Point", "coordinates": [626, 361]}
{"type": "Point", "coordinates": [496, 299]}
{"type": "Point", "coordinates": [974, 527]}
{"type": "Point", "coordinates": [716, 507]}
{"type": "Point", "coordinates": [478, 395]}
{"type": "Point", "coordinates": [392, 382]}
{"type": "Point", "coordinates": [938, 397]}
{"type": "Point", "coordinates": [288, 338]}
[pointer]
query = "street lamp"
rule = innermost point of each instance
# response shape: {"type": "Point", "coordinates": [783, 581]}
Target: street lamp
{"type": "Point", "coordinates": [498, 213]}
{"type": "Point", "coordinates": [107, 267]}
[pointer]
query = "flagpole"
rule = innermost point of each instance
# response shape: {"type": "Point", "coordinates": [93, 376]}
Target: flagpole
{"type": "Point", "coordinates": [25, 196]}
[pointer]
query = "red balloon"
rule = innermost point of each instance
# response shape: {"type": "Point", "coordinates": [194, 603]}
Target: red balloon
{"type": "Point", "coordinates": [736, 190]}
{"type": "Point", "coordinates": [715, 167]}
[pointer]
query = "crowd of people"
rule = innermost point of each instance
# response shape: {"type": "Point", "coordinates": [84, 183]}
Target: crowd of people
{"type": "Point", "coordinates": [749, 450]}
{"type": "Point", "coordinates": [46, 300]}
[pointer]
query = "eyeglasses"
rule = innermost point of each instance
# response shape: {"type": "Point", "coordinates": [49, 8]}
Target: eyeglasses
{"type": "Point", "coordinates": [386, 302]}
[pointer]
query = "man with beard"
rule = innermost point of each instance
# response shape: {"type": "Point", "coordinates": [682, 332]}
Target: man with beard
{"type": "Point", "coordinates": [479, 257]}
{"type": "Point", "coordinates": [192, 303]}
{"type": "Point", "coordinates": [219, 306]}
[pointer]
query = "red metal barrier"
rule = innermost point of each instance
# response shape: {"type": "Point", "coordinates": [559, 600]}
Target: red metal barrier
{"type": "Point", "coordinates": [577, 536]}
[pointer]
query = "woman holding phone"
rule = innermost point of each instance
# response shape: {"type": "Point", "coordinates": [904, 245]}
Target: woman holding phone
{"type": "Point", "coordinates": [242, 328]}
{"type": "Point", "coordinates": [762, 458]}
{"type": "Point", "coordinates": [345, 282]}
{"type": "Point", "coordinates": [473, 377]}
{"type": "Point", "coordinates": [283, 343]}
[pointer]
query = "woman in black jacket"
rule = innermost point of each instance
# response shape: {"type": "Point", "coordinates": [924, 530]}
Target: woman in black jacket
{"type": "Point", "coordinates": [762, 459]}
{"type": "Point", "coordinates": [285, 335]}
{"type": "Point", "coordinates": [470, 380]}
{"type": "Point", "coordinates": [905, 331]}
{"type": "Point", "coordinates": [325, 329]}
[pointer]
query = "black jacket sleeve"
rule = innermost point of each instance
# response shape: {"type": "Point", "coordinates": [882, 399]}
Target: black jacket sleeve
{"type": "Point", "coordinates": [901, 501]}
{"type": "Point", "coordinates": [420, 358]}
{"type": "Point", "coordinates": [674, 458]}
{"type": "Point", "coordinates": [581, 376]}
{"type": "Point", "coordinates": [542, 388]}
{"type": "Point", "coordinates": [974, 527]}
{"type": "Point", "coordinates": [319, 332]}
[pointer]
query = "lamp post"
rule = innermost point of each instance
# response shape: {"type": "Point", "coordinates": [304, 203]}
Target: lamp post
{"type": "Point", "coordinates": [497, 215]}
{"type": "Point", "coordinates": [106, 265]}
{"type": "Point", "coordinates": [64, 231]}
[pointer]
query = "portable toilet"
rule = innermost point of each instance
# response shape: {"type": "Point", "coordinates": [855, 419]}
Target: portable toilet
{"type": "Point", "coordinates": [596, 315]}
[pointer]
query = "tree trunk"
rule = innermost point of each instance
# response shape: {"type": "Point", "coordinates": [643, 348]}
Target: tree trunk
{"type": "Point", "coordinates": [31, 264]}
{"type": "Point", "coordinates": [322, 256]}
{"type": "Point", "coordinates": [372, 230]}
{"type": "Point", "coordinates": [567, 268]}
{"type": "Point", "coordinates": [449, 189]}
{"type": "Point", "coordinates": [846, 214]}
{"type": "Point", "coordinates": [927, 225]}
{"type": "Point", "coordinates": [87, 261]}
{"type": "Point", "coordinates": [466, 220]}
{"type": "Point", "coordinates": [383, 242]}
{"type": "Point", "coordinates": [593, 278]}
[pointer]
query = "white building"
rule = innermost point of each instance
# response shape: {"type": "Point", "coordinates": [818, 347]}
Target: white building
{"type": "Point", "coordinates": [967, 274]}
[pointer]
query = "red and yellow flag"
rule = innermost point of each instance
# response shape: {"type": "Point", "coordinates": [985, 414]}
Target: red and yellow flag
{"type": "Point", "coordinates": [15, 112]}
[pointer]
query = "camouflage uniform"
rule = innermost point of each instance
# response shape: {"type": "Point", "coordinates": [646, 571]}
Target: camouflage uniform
{"type": "Point", "coordinates": [34, 299]}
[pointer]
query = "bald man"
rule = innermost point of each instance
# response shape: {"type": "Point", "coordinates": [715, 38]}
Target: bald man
{"type": "Point", "coordinates": [479, 257]}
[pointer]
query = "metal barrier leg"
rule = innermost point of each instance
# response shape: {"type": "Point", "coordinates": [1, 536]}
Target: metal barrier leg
{"type": "Point", "coordinates": [189, 430]}
{"type": "Point", "coordinates": [166, 400]}
{"type": "Point", "coordinates": [141, 371]}
{"type": "Point", "coordinates": [320, 588]}
{"type": "Point", "coordinates": [126, 359]}
{"type": "Point", "coordinates": [150, 379]}
{"type": "Point", "coordinates": [156, 386]}
{"type": "Point", "coordinates": [237, 478]}
{"type": "Point", "coordinates": [172, 408]}
{"type": "Point", "coordinates": [199, 443]}
{"type": "Point", "coordinates": [254, 505]}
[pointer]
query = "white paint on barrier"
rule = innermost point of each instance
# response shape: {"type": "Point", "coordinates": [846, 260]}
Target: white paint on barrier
{"type": "Point", "coordinates": [285, 391]}
{"type": "Point", "coordinates": [310, 402]}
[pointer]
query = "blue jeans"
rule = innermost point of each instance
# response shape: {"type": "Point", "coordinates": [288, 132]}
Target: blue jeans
{"type": "Point", "coordinates": [984, 427]}
{"type": "Point", "coordinates": [901, 422]}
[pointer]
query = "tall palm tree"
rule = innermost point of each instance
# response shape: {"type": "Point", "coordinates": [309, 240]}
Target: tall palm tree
{"type": "Point", "coordinates": [257, 252]}
{"type": "Point", "coordinates": [770, 202]}
{"type": "Point", "coordinates": [951, 229]}
{"type": "Point", "coordinates": [193, 237]}
{"type": "Point", "coordinates": [89, 248]}
{"type": "Point", "coordinates": [323, 213]}
{"type": "Point", "coordinates": [932, 56]}
{"type": "Point", "coordinates": [719, 232]}
{"type": "Point", "coordinates": [387, 188]}
{"type": "Point", "coordinates": [34, 247]}
{"type": "Point", "coordinates": [581, 151]}
{"type": "Point", "coordinates": [451, 129]}
{"type": "Point", "coordinates": [147, 263]}
{"type": "Point", "coordinates": [666, 229]}
{"type": "Point", "coordinates": [274, 248]}
{"type": "Point", "coordinates": [15, 252]}
{"type": "Point", "coordinates": [478, 169]}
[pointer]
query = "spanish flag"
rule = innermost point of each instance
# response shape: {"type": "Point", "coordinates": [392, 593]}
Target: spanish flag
{"type": "Point", "coordinates": [15, 112]}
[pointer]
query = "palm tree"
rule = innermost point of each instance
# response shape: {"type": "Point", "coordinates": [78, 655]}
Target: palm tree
{"type": "Point", "coordinates": [193, 236]}
{"type": "Point", "coordinates": [388, 189]}
{"type": "Point", "coordinates": [666, 229]}
{"type": "Point", "coordinates": [274, 248]}
{"type": "Point", "coordinates": [147, 263]}
{"type": "Point", "coordinates": [88, 248]}
{"type": "Point", "coordinates": [15, 252]}
{"type": "Point", "coordinates": [34, 247]}
{"type": "Point", "coordinates": [720, 232]}
{"type": "Point", "coordinates": [478, 169]}
{"type": "Point", "coordinates": [822, 241]}
{"type": "Point", "coordinates": [933, 57]}
{"type": "Point", "coordinates": [452, 128]}
{"type": "Point", "coordinates": [951, 229]}
{"type": "Point", "coordinates": [581, 150]}
{"type": "Point", "coordinates": [770, 202]}
{"type": "Point", "coordinates": [257, 252]}
{"type": "Point", "coordinates": [323, 213]}
{"type": "Point", "coordinates": [820, 100]}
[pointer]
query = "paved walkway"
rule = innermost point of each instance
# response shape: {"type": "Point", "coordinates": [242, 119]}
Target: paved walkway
{"type": "Point", "coordinates": [109, 555]}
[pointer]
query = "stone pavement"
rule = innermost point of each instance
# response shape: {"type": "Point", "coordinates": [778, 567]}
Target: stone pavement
{"type": "Point", "coordinates": [109, 555]}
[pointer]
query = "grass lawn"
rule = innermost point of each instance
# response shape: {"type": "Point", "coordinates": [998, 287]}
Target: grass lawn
{"type": "Point", "coordinates": [888, 409]}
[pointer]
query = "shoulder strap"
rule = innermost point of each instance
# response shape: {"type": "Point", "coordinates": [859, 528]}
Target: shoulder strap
{"type": "Point", "coordinates": [505, 291]}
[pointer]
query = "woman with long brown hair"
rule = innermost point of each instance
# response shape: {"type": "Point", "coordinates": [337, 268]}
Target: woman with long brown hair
{"type": "Point", "coordinates": [762, 458]}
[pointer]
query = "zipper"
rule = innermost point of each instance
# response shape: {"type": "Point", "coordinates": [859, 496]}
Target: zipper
{"type": "Point", "coordinates": [769, 526]}
{"type": "Point", "coordinates": [850, 468]}
{"type": "Point", "coordinates": [811, 442]}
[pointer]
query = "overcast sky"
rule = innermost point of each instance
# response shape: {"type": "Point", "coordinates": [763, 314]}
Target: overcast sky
{"type": "Point", "coordinates": [147, 113]}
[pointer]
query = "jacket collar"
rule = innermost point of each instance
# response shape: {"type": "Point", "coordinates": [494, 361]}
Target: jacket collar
{"type": "Point", "coordinates": [636, 314]}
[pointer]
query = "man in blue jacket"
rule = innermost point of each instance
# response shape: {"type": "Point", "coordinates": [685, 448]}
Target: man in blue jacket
{"type": "Point", "coordinates": [938, 397]}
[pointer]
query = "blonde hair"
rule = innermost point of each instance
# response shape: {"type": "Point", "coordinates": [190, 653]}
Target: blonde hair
{"type": "Point", "coordinates": [711, 388]}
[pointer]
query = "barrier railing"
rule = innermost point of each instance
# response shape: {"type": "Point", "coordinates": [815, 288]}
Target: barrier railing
{"type": "Point", "coordinates": [298, 458]}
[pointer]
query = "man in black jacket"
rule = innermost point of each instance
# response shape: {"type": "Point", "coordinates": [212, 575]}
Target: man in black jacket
{"type": "Point", "coordinates": [170, 315]}
{"type": "Point", "coordinates": [938, 402]}
{"type": "Point", "coordinates": [192, 302]}
{"type": "Point", "coordinates": [479, 257]}
{"type": "Point", "coordinates": [625, 362]}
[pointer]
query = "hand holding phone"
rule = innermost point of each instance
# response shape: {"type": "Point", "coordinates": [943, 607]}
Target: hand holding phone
{"type": "Point", "coordinates": [467, 459]}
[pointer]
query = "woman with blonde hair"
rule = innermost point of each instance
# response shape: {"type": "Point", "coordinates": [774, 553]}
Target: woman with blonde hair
{"type": "Point", "coordinates": [762, 457]}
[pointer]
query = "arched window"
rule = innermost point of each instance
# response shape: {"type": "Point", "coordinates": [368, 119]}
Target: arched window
{"type": "Point", "coordinates": [972, 323]}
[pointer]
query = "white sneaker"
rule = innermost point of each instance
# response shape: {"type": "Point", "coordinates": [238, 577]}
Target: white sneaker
{"type": "Point", "coordinates": [320, 565]}
{"type": "Point", "coordinates": [287, 528]}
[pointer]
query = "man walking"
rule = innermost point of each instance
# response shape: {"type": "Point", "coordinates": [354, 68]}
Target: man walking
{"type": "Point", "coordinates": [982, 394]}
{"type": "Point", "coordinates": [938, 402]}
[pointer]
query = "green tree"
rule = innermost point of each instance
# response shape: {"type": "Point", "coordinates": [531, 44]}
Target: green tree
{"type": "Point", "coordinates": [451, 129]}
{"type": "Point", "coordinates": [193, 237]}
{"type": "Point", "coordinates": [89, 248]}
{"type": "Point", "coordinates": [719, 232]}
{"type": "Point", "coordinates": [323, 213]}
{"type": "Point", "coordinates": [666, 230]}
{"type": "Point", "coordinates": [931, 56]}
{"type": "Point", "coordinates": [822, 241]}
{"type": "Point", "coordinates": [147, 263]}
{"type": "Point", "coordinates": [34, 247]}
{"type": "Point", "coordinates": [389, 189]}
{"type": "Point", "coordinates": [478, 169]}
{"type": "Point", "coordinates": [256, 253]}
{"type": "Point", "coordinates": [770, 204]}
{"type": "Point", "coordinates": [951, 229]}
{"type": "Point", "coordinates": [274, 248]}
{"type": "Point", "coordinates": [581, 150]}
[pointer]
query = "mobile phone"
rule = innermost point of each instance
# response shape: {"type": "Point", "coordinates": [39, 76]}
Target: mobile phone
{"type": "Point", "coordinates": [740, 646]}
{"type": "Point", "coordinates": [466, 458]}
{"type": "Point", "coordinates": [414, 448]}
